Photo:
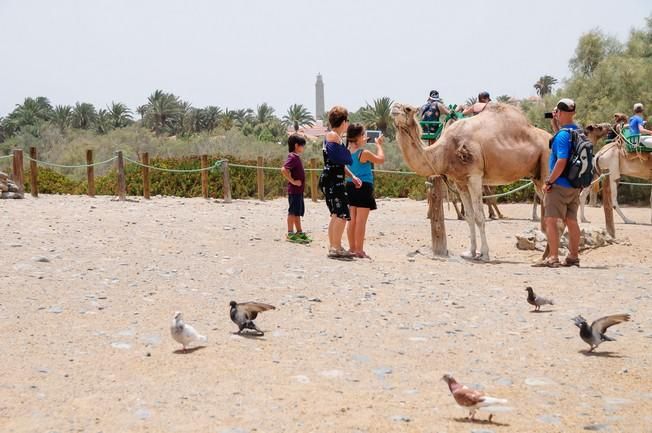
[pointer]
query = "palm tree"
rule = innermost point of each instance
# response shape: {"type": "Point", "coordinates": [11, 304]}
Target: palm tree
{"type": "Point", "coordinates": [120, 115]}
{"type": "Point", "coordinates": [211, 118]}
{"type": "Point", "coordinates": [164, 110]}
{"type": "Point", "coordinates": [243, 115]}
{"type": "Point", "coordinates": [378, 115]}
{"type": "Point", "coordinates": [83, 115]}
{"type": "Point", "coordinates": [28, 116]}
{"type": "Point", "coordinates": [544, 85]}
{"type": "Point", "coordinates": [298, 116]}
{"type": "Point", "coordinates": [228, 119]}
{"type": "Point", "coordinates": [264, 113]}
{"type": "Point", "coordinates": [103, 121]}
{"type": "Point", "coordinates": [142, 110]}
{"type": "Point", "coordinates": [62, 116]}
{"type": "Point", "coordinates": [506, 99]}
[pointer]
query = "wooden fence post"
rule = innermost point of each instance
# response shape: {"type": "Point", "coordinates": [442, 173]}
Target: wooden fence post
{"type": "Point", "coordinates": [17, 174]}
{"type": "Point", "coordinates": [90, 173]}
{"type": "Point", "coordinates": [145, 160]}
{"type": "Point", "coordinates": [226, 182]}
{"type": "Point", "coordinates": [260, 179]}
{"type": "Point", "coordinates": [607, 205]}
{"type": "Point", "coordinates": [122, 184]}
{"type": "Point", "coordinates": [204, 176]}
{"type": "Point", "coordinates": [436, 216]}
{"type": "Point", "coordinates": [33, 172]}
{"type": "Point", "coordinates": [313, 179]}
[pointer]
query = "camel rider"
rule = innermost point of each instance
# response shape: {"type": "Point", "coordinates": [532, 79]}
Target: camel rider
{"type": "Point", "coordinates": [636, 123]}
{"type": "Point", "coordinates": [483, 100]}
{"type": "Point", "coordinates": [432, 110]}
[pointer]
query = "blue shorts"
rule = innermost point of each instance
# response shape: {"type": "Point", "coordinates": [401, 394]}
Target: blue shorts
{"type": "Point", "coordinates": [296, 205]}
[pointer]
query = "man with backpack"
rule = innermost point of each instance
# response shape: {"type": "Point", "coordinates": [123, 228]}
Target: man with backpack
{"type": "Point", "coordinates": [571, 157]}
{"type": "Point", "coordinates": [432, 110]}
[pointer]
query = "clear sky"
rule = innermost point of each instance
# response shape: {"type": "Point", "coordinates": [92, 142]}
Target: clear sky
{"type": "Point", "coordinates": [241, 53]}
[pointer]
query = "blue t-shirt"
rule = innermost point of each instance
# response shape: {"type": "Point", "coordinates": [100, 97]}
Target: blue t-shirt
{"type": "Point", "coordinates": [561, 149]}
{"type": "Point", "coordinates": [635, 123]}
{"type": "Point", "coordinates": [361, 170]}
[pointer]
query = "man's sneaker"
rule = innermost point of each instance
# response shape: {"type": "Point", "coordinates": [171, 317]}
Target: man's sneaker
{"type": "Point", "coordinates": [304, 237]}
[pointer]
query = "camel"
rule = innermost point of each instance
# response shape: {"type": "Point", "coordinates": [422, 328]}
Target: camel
{"type": "Point", "coordinates": [614, 158]}
{"type": "Point", "coordinates": [497, 148]}
{"type": "Point", "coordinates": [492, 203]}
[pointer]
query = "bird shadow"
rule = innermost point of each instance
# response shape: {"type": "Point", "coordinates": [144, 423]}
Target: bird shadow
{"type": "Point", "coordinates": [606, 354]}
{"type": "Point", "coordinates": [481, 422]}
{"type": "Point", "coordinates": [251, 335]}
{"type": "Point", "coordinates": [542, 311]}
{"type": "Point", "coordinates": [188, 351]}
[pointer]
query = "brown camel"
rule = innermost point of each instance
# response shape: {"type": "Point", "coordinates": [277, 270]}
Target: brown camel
{"type": "Point", "coordinates": [497, 148]}
{"type": "Point", "coordinates": [617, 161]}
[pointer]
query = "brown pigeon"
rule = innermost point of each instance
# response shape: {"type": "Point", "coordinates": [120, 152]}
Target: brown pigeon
{"type": "Point", "coordinates": [535, 300]}
{"type": "Point", "coordinates": [243, 314]}
{"type": "Point", "coordinates": [594, 335]}
{"type": "Point", "coordinates": [470, 399]}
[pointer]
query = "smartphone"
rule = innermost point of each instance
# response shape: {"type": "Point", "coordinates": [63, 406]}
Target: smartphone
{"type": "Point", "coordinates": [547, 115]}
{"type": "Point", "coordinates": [372, 135]}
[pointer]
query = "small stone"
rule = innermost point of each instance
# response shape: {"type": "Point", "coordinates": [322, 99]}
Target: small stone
{"type": "Point", "coordinates": [400, 418]}
{"type": "Point", "coordinates": [596, 427]}
{"type": "Point", "coordinates": [55, 309]}
{"type": "Point", "coordinates": [482, 430]}
{"type": "Point", "coordinates": [332, 373]}
{"type": "Point", "coordinates": [142, 413]}
{"type": "Point", "coordinates": [382, 372]}
{"type": "Point", "coordinates": [537, 381]}
{"type": "Point", "coordinates": [360, 358]}
{"type": "Point", "coordinates": [301, 378]}
{"type": "Point", "coordinates": [120, 345]}
{"type": "Point", "coordinates": [504, 381]}
{"type": "Point", "coordinates": [314, 300]}
{"type": "Point", "coordinates": [41, 259]}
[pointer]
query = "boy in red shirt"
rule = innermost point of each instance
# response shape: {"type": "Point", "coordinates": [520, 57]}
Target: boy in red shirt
{"type": "Point", "coordinates": [292, 170]}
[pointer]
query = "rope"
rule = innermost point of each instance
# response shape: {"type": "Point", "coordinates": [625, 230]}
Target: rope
{"type": "Point", "coordinates": [175, 170]}
{"type": "Point", "coordinates": [509, 192]}
{"type": "Point", "coordinates": [70, 166]}
{"type": "Point", "coordinates": [6, 156]}
{"type": "Point", "coordinates": [635, 183]}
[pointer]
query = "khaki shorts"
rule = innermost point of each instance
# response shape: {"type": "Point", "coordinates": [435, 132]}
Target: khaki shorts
{"type": "Point", "coordinates": [560, 202]}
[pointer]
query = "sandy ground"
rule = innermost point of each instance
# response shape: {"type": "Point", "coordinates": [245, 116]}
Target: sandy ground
{"type": "Point", "coordinates": [88, 288]}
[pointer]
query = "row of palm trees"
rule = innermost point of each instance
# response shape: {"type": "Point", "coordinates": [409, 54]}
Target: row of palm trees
{"type": "Point", "coordinates": [167, 114]}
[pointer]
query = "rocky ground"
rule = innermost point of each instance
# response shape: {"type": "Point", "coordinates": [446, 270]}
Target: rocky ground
{"type": "Point", "coordinates": [88, 288]}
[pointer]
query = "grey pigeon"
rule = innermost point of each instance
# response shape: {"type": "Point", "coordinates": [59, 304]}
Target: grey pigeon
{"type": "Point", "coordinates": [594, 335]}
{"type": "Point", "coordinates": [535, 300]}
{"type": "Point", "coordinates": [184, 333]}
{"type": "Point", "coordinates": [245, 313]}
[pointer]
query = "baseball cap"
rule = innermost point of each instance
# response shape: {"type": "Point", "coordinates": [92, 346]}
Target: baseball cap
{"type": "Point", "coordinates": [482, 95]}
{"type": "Point", "coordinates": [567, 105]}
{"type": "Point", "coordinates": [638, 107]}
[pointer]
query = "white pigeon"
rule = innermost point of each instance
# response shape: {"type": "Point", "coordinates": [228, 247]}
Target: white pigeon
{"type": "Point", "coordinates": [184, 333]}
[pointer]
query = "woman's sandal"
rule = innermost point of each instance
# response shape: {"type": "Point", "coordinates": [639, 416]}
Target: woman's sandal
{"type": "Point", "coordinates": [571, 261]}
{"type": "Point", "coordinates": [547, 263]}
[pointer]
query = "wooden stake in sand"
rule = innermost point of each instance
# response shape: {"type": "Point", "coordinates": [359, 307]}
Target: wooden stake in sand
{"type": "Point", "coordinates": [33, 172]}
{"type": "Point", "coordinates": [122, 184]}
{"type": "Point", "coordinates": [260, 179]}
{"type": "Point", "coordinates": [436, 216]}
{"type": "Point", "coordinates": [17, 175]}
{"type": "Point", "coordinates": [204, 176]}
{"type": "Point", "coordinates": [226, 185]}
{"type": "Point", "coordinates": [607, 205]}
{"type": "Point", "coordinates": [90, 173]}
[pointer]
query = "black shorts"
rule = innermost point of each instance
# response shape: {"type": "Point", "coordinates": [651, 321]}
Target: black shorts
{"type": "Point", "coordinates": [336, 199]}
{"type": "Point", "coordinates": [297, 207]}
{"type": "Point", "coordinates": [361, 197]}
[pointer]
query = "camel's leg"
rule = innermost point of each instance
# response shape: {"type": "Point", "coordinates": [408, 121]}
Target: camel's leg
{"type": "Point", "coordinates": [475, 192]}
{"type": "Point", "coordinates": [583, 195]}
{"type": "Point", "coordinates": [469, 217]}
{"type": "Point", "coordinates": [614, 201]}
{"type": "Point", "coordinates": [459, 212]}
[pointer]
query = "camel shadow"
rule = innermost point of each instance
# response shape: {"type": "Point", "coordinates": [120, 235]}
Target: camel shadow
{"type": "Point", "coordinates": [188, 351]}
{"type": "Point", "coordinates": [607, 354]}
{"type": "Point", "coordinates": [480, 421]}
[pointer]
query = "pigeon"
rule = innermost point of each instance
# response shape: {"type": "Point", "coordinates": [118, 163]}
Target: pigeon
{"type": "Point", "coordinates": [470, 399]}
{"type": "Point", "coordinates": [594, 335]}
{"type": "Point", "coordinates": [535, 300]}
{"type": "Point", "coordinates": [184, 333]}
{"type": "Point", "coordinates": [243, 314]}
